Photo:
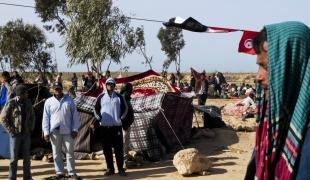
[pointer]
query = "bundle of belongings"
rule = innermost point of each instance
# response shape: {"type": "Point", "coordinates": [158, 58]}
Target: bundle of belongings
{"type": "Point", "coordinates": [212, 116]}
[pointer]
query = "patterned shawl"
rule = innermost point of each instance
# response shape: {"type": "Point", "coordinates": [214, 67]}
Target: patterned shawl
{"type": "Point", "coordinates": [282, 121]}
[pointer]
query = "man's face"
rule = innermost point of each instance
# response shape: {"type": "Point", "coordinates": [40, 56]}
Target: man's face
{"type": "Point", "coordinates": [57, 91]}
{"type": "Point", "coordinates": [110, 86]}
{"type": "Point", "coordinates": [4, 79]}
{"type": "Point", "coordinates": [262, 62]}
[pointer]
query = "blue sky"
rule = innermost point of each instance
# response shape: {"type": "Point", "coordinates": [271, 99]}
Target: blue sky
{"type": "Point", "coordinates": [202, 51]}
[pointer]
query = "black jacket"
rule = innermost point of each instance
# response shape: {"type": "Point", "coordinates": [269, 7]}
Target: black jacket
{"type": "Point", "coordinates": [129, 118]}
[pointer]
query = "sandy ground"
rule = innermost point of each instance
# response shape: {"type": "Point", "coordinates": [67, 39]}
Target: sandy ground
{"type": "Point", "coordinates": [228, 150]}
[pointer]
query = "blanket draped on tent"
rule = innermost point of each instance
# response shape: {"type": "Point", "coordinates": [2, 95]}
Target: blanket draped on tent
{"type": "Point", "coordinates": [144, 84]}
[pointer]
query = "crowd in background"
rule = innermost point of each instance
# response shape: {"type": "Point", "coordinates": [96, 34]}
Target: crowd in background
{"type": "Point", "coordinates": [217, 86]}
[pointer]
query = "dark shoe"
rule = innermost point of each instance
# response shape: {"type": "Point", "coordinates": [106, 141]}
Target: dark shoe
{"type": "Point", "coordinates": [108, 173]}
{"type": "Point", "coordinates": [122, 173]}
{"type": "Point", "coordinates": [60, 177]}
{"type": "Point", "coordinates": [75, 177]}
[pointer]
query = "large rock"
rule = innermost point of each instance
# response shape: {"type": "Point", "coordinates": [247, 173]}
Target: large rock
{"type": "Point", "coordinates": [238, 125]}
{"type": "Point", "coordinates": [189, 161]}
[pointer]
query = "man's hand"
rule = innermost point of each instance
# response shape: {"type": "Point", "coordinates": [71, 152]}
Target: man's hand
{"type": "Point", "coordinates": [74, 134]}
{"type": "Point", "coordinates": [47, 138]}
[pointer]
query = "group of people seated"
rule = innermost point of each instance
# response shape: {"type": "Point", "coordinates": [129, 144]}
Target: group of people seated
{"type": "Point", "coordinates": [216, 86]}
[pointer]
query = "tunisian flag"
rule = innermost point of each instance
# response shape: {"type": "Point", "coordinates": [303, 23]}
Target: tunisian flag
{"type": "Point", "coordinates": [192, 24]}
{"type": "Point", "coordinates": [246, 42]}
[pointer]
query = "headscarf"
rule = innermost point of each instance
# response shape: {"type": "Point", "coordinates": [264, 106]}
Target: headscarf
{"type": "Point", "coordinates": [287, 112]}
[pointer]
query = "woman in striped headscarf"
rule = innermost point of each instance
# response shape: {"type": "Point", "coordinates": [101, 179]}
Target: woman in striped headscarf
{"type": "Point", "coordinates": [283, 99]}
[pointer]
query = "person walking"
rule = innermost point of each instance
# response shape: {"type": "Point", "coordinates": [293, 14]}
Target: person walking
{"type": "Point", "coordinates": [203, 90]}
{"type": "Point", "coordinates": [60, 126]}
{"type": "Point", "coordinates": [18, 118]}
{"type": "Point", "coordinates": [74, 81]}
{"type": "Point", "coordinates": [110, 109]}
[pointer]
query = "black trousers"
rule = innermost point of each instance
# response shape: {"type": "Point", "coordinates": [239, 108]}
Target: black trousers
{"type": "Point", "coordinates": [112, 137]}
{"type": "Point", "coordinates": [202, 98]}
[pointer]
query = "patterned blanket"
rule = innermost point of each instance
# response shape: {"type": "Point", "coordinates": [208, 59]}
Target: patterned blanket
{"type": "Point", "coordinates": [143, 135]}
{"type": "Point", "coordinates": [85, 103]}
{"type": "Point", "coordinates": [144, 84]}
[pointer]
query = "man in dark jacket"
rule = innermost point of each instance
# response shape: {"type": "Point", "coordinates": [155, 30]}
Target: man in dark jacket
{"type": "Point", "coordinates": [110, 109]}
{"type": "Point", "coordinates": [128, 120]}
{"type": "Point", "coordinates": [18, 119]}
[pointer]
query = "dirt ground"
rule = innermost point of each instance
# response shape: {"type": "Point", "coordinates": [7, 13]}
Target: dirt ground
{"type": "Point", "coordinates": [228, 150]}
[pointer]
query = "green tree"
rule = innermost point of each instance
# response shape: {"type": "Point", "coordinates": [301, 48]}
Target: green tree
{"type": "Point", "coordinates": [172, 42]}
{"type": "Point", "coordinates": [97, 33]}
{"type": "Point", "coordinates": [50, 11]}
{"type": "Point", "coordinates": [25, 47]}
{"type": "Point", "coordinates": [135, 40]}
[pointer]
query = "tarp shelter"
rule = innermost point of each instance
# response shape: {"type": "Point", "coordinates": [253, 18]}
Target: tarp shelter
{"type": "Point", "coordinates": [157, 118]}
{"type": "Point", "coordinates": [150, 132]}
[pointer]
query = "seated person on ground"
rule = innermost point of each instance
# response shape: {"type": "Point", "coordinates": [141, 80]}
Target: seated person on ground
{"type": "Point", "coordinates": [242, 108]}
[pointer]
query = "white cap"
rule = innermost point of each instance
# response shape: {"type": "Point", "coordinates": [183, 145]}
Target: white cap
{"type": "Point", "coordinates": [110, 80]}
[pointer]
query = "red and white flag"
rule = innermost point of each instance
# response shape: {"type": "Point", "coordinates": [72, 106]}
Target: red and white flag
{"type": "Point", "coordinates": [220, 30]}
{"type": "Point", "coordinates": [191, 24]}
{"type": "Point", "coordinates": [246, 42]}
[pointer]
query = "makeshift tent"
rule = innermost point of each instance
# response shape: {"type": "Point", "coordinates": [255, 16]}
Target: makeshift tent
{"type": "Point", "coordinates": [161, 120]}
